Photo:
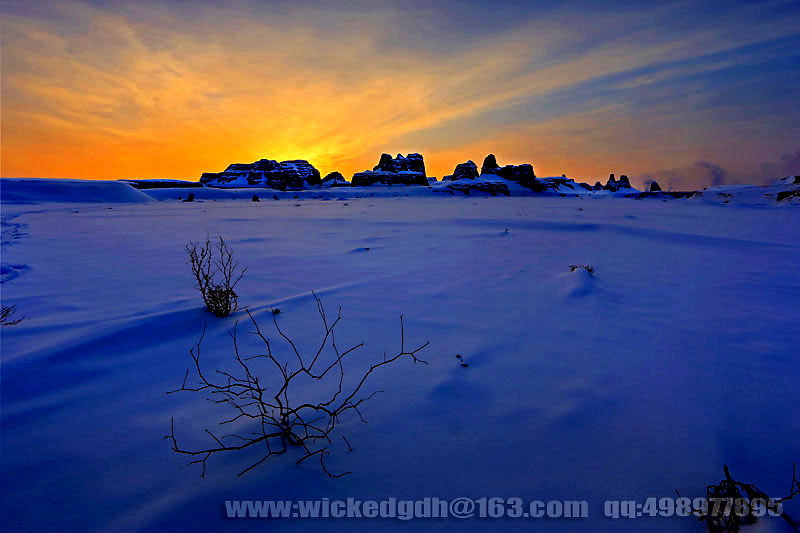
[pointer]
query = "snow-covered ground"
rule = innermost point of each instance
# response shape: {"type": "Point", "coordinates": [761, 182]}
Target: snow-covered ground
{"type": "Point", "coordinates": [679, 355]}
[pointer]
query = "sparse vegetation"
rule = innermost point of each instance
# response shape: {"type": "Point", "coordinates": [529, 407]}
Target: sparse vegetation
{"type": "Point", "coordinates": [730, 504]}
{"type": "Point", "coordinates": [216, 272]}
{"type": "Point", "coordinates": [277, 421]}
{"type": "Point", "coordinates": [6, 316]}
{"type": "Point", "coordinates": [588, 268]}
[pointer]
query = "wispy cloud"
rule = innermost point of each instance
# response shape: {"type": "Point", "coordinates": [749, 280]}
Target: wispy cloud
{"type": "Point", "coordinates": [123, 90]}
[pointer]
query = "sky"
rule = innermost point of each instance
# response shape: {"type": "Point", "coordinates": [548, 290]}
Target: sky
{"type": "Point", "coordinates": [691, 94]}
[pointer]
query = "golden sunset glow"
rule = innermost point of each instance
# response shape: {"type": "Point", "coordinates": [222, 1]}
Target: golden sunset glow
{"type": "Point", "coordinates": [156, 92]}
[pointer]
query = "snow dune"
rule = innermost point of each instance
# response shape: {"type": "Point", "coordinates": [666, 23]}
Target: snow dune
{"type": "Point", "coordinates": [678, 355]}
{"type": "Point", "coordinates": [34, 190]}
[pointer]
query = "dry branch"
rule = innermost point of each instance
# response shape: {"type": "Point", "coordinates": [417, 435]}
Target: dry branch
{"type": "Point", "coordinates": [731, 490]}
{"type": "Point", "coordinates": [280, 420]}
{"type": "Point", "coordinates": [216, 273]}
{"type": "Point", "coordinates": [5, 316]}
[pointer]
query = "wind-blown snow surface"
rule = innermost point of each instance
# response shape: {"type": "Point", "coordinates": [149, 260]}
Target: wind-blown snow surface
{"type": "Point", "coordinates": [678, 356]}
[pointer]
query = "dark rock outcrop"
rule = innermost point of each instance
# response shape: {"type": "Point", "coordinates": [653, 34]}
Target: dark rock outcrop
{"type": "Point", "coordinates": [464, 171]}
{"type": "Point", "coordinates": [408, 170]}
{"type": "Point", "coordinates": [334, 179]}
{"type": "Point", "coordinates": [490, 165]}
{"type": "Point", "coordinates": [615, 185]}
{"type": "Point", "coordinates": [519, 173]}
{"type": "Point", "coordinates": [655, 187]}
{"type": "Point", "coordinates": [410, 163]}
{"type": "Point", "coordinates": [292, 174]}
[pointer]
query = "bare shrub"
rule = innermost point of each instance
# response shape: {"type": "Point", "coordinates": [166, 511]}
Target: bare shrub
{"type": "Point", "coordinates": [279, 421]}
{"type": "Point", "coordinates": [216, 272]}
{"type": "Point", "coordinates": [588, 268]}
{"type": "Point", "coordinates": [6, 314]}
{"type": "Point", "coordinates": [732, 504]}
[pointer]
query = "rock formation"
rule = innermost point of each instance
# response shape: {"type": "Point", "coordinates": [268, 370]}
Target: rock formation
{"type": "Point", "coordinates": [292, 174]}
{"type": "Point", "coordinates": [521, 173]}
{"type": "Point", "coordinates": [615, 185]}
{"type": "Point", "coordinates": [655, 187]}
{"type": "Point", "coordinates": [464, 171]}
{"type": "Point", "coordinates": [490, 165]}
{"type": "Point", "coordinates": [408, 170]}
{"type": "Point", "coordinates": [334, 179]}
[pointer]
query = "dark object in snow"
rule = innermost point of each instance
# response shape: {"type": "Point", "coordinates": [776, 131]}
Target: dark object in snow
{"type": "Point", "coordinates": [335, 179]}
{"type": "Point", "coordinates": [283, 419]}
{"type": "Point", "coordinates": [216, 273]}
{"type": "Point", "coordinates": [786, 195]}
{"type": "Point", "coordinates": [408, 170]}
{"type": "Point", "coordinates": [6, 313]}
{"type": "Point", "coordinates": [459, 356]}
{"type": "Point", "coordinates": [587, 268]}
{"type": "Point", "coordinates": [292, 174]}
{"type": "Point", "coordinates": [655, 187]}
{"type": "Point", "coordinates": [276, 311]}
{"type": "Point", "coordinates": [464, 365]}
{"type": "Point", "coordinates": [274, 196]}
{"type": "Point", "coordinates": [741, 504]}
{"type": "Point", "coordinates": [190, 198]}
{"type": "Point", "coordinates": [255, 198]}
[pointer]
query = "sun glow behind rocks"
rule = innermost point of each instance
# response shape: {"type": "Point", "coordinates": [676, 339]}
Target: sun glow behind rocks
{"type": "Point", "coordinates": [111, 90]}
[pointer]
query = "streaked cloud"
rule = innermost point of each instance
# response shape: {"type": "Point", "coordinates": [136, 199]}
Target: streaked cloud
{"type": "Point", "coordinates": [112, 90]}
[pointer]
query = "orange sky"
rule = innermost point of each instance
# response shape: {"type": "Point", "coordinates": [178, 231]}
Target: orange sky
{"type": "Point", "coordinates": [149, 92]}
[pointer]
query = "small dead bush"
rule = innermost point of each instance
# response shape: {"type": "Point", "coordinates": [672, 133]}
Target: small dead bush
{"type": "Point", "coordinates": [588, 268]}
{"type": "Point", "coordinates": [731, 504]}
{"type": "Point", "coordinates": [271, 415]}
{"type": "Point", "coordinates": [216, 272]}
{"type": "Point", "coordinates": [6, 316]}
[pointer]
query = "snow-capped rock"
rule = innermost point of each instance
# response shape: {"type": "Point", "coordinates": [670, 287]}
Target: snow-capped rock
{"type": "Point", "coordinates": [614, 185]}
{"type": "Point", "coordinates": [292, 174]}
{"type": "Point", "coordinates": [520, 173]}
{"type": "Point", "coordinates": [335, 179]}
{"type": "Point", "coordinates": [468, 171]}
{"type": "Point", "coordinates": [408, 170]}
